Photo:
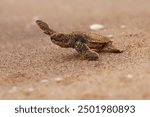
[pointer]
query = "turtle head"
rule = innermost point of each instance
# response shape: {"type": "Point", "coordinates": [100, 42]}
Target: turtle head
{"type": "Point", "coordinates": [60, 39]}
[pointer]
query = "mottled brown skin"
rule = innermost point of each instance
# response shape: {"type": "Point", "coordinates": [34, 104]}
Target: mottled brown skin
{"type": "Point", "coordinates": [86, 44]}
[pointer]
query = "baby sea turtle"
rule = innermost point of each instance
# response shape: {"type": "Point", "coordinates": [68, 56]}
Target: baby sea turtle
{"type": "Point", "coordinates": [87, 44]}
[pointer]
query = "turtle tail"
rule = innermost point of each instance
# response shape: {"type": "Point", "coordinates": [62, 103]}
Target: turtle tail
{"type": "Point", "coordinates": [44, 26]}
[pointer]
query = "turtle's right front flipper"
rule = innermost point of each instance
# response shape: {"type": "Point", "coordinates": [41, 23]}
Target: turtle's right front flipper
{"type": "Point", "coordinates": [44, 26]}
{"type": "Point", "coordinates": [85, 51]}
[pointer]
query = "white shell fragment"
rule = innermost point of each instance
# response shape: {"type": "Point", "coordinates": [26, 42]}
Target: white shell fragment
{"type": "Point", "coordinates": [58, 79]}
{"type": "Point", "coordinates": [129, 76]}
{"type": "Point", "coordinates": [44, 81]}
{"type": "Point", "coordinates": [110, 36]}
{"type": "Point", "coordinates": [96, 27]}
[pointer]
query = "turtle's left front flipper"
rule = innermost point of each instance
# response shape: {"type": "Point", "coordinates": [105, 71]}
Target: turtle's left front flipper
{"type": "Point", "coordinates": [44, 26]}
{"type": "Point", "coordinates": [85, 51]}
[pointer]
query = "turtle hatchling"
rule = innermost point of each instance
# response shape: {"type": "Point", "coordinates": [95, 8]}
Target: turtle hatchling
{"type": "Point", "coordinates": [87, 44]}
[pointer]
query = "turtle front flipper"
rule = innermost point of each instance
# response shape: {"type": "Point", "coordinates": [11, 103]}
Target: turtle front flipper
{"type": "Point", "coordinates": [44, 26]}
{"type": "Point", "coordinates": [111, 48]}
{"type": "Point", "coordinates": [85, 51]}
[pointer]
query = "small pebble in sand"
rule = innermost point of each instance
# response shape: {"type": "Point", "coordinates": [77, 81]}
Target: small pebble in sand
{"type": "Point", "coordinates": [129, 76]}
{"type": "Point", "coordinates": [96, 27]}
{"type": "Point", "coordinates": [58, 79]}
{"type": "Point", "coordinates": [110, 36]}
{"type": "Point", "coordinates": [44, 81]}
{"type": "Point", "coordinates": [123, 26]}
{"type": "Point", "coordinates": [13, 89]}
{"type": "Point", "coordinates": [30, 89]}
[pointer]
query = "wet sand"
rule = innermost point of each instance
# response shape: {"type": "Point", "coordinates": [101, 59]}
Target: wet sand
{"type": "Point", "coordinates": [31, 67]}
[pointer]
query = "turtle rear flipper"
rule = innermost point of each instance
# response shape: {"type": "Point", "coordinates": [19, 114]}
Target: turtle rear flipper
{"type": "Point", "coordinates": [111, 48]}
{"type": "Point", "coordinates": [44, 26]}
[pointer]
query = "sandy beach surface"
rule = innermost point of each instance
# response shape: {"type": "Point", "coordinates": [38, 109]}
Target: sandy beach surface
{"type": "Point", "coordinates": [31, 67]}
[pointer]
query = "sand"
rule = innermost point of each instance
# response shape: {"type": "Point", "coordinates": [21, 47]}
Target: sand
{"type": "Point", "coordinates": [31, 67]}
